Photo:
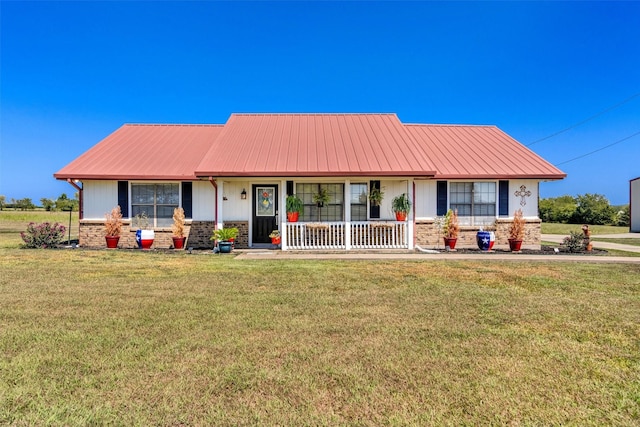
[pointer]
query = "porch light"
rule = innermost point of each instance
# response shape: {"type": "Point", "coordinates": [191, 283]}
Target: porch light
{"type": "Point", "coordinates": [243, 195]}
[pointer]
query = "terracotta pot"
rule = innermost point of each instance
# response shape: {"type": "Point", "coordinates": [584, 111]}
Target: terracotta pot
{"type": "Point", "coordinates": [450, 243]}
{"type": "Point", "coordinates": [401, 216]}
{"type": "Point", "coordinates": [112, 241]}
{"type": "Point", "coordinates": [276, 240]}
{"type": "Point", "coordinates": [178, 242]}
{"type": "Point", "coordinates": [515, 245]}
{"type": "Point", "coordinates": [292, 216]}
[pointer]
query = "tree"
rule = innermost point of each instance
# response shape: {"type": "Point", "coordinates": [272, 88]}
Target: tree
{"type": "Point", "coordinates": [557, 209]}
{"type": "Point", "coordinates": [24, 204]}
{"type": "Point", "coordinates": [66, 204]}
{"type": "Point", "coordinates": [48, 204]}
{"type": "Point", "coordinates": [593, 209]}
{"type": "Point", "coordinates": [623, 216]}
{"type": "Point", "coordinates": [3, 200]}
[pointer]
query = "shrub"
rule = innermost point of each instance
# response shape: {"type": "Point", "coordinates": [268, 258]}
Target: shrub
{"type": "Point", "coordinates": [516, 229]}
{"type": "Point", "coordinates": [451, 227]}
{"type": "Point", "coordinates": [575, 242]}
{"type": "Point", "coordinates": [113, 222]}
{"type": "Point", "coordinates": [43, 235]}
{"type": "Point", "coordinates": [178, 222]}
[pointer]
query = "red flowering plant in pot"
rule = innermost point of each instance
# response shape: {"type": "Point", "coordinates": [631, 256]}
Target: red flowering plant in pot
{"type": "Point", "coordinates": [516, 231]}
{"type": "Point", "coordinates": [113, 227]}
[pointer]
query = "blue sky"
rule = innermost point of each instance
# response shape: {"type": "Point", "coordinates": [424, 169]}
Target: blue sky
{"type": "Point", "coordinates": [73, 72]}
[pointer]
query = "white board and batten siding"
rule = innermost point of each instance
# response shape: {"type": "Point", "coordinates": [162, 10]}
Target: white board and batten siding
{"type": "Point", "coordinates": [634, 203]}
{"type": "Point", "coordinates": [426, 197]}
{"type": "Point", "coordinates": [99, 197]}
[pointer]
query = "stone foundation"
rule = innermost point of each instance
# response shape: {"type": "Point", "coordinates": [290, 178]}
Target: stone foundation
{"type": "Point", "coordinates": [197, 232]}
{"type": "Point", "coordinates": [427, 235]}
{"type": "Point", "coordinates": [242, 241]}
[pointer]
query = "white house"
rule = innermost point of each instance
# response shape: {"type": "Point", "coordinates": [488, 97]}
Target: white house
{"type": "Point", "coordinates": [239, 174]}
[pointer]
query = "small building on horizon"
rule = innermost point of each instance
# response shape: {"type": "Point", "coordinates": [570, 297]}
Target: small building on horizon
{"type": "Point", "coordinates": [634, 205]}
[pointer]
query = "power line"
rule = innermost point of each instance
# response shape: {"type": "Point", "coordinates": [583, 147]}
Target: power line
{"type": "Point", "coordinates": [585, 120]}
{"type": "Point", "coordinates": [599, 149]}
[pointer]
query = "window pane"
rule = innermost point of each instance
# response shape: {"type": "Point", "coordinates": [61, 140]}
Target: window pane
{"type": "Point", "coordinates": [142, 194]}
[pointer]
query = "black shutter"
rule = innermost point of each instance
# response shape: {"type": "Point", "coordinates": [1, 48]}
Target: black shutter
{"type": "Point", "coordinates": [289, 188]}
{"type": "Point", "coordinates": [374, 211]}
{"type": "Point", "coordinates": [503, 198]}
{"type": "Point", "coordinates": [123, 198]}
{"type": "Point", "coordinates": [441, 189]}
{"type": "Point", "coordinates": [187, 199]}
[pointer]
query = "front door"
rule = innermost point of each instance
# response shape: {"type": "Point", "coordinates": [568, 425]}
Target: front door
{"type": "Point", "coordinates": [265, 212]}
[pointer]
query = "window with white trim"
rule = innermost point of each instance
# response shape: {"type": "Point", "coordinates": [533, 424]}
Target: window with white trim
{"type": "Point", "coordinates": [157, 201]}
{"type": "Point", "coordinates": [475, 201]}
{"type": "Point", "coordinates": [331, 211]}
{"type": "Point", "coordinates": [358, 202]}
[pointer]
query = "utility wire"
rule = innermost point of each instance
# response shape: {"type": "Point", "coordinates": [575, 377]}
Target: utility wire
{"type": "Point", "coordinates": [599, 149]}
{"type": "Point", "coordinates": [585, 120]}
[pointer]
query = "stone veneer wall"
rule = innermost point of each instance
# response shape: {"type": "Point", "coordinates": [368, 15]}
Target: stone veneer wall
{"type": "Point", "coordinates": [242, 241]}
{"type": "Point", "coordinates": [197, 232]}
{"type": "Point", "coordinates": [427, 234]}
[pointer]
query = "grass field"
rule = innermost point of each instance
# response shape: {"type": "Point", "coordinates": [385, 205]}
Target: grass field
{"type": "Point", "coordinates": [131, 338]}
{"type": "Point", "coordinates": [13, 222]}
{"type": "Point", "coordinates": [557, 228]}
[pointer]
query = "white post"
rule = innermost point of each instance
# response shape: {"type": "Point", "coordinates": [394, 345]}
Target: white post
{"type": "Point", "coordinates": [282, 217]}
{"type": "Point", "coordinates": [347, 214]}
{"type": "Point", "coordinates": [411, 189]}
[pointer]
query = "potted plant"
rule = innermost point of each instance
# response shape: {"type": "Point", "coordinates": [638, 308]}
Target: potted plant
{"type": "Point", "coordinates": [294, 208]}
{"type": "Point", "coordinates": [113, 227]}
{"type": "Point", "coordinates": [451, 229]}
{"type": "Point", "coordinates": [320, 198]}
{"type": "Point", "coordinates": [144, 236]}
{"type": "Point", "coordinates": [276, 239]}
{"type": "Point", "coordinates": [224, 237]}
{"type": "Point", "coordinates": [375, 196]}
{"type": "Point", "coordinates": [178, 228]}
{"type": "Point", "coordinates": [401, 206]}
{"type": "Point", "coordinates": [516, 231]}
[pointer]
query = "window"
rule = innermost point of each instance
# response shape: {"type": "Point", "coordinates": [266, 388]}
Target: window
{"type": "Point", "coordinates": [332, 211]}
{"type": "Point", "coordinates": [157, 201]}
{"type": "Point", "coordinates": [475, 200]}
{"type": "Point", "coordinates": [358, 202]}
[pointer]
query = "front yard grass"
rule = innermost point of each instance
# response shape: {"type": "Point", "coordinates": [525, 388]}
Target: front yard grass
{"type": "Point", "coordinates": [134, 338]}
{"type": "Point", "coordinates": [557, 228]}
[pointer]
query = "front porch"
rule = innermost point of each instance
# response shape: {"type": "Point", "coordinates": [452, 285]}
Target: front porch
{"type": "Point", "coordinates": [346, 235]}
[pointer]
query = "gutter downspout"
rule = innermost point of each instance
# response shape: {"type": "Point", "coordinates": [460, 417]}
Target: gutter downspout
{"type": "Point", "coordinates": [80, 204]}
{"type": "Point", "coordinates": [215, 185]}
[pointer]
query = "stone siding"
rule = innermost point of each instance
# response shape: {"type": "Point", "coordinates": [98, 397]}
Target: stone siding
{"type": "Point", "coordinates": [427, 235]}
{"type": "Point", "coordinates": [197, 232]}
{"type": "Point", "coordinates": [242, 241]}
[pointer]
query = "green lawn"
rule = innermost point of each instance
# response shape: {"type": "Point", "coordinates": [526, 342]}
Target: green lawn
{"type": "Point", "coordinates": [557, 228]}
{"type": "Point", "coordinates": [13, 222]}
{"type": "Point", "coordinates": [132, 338]}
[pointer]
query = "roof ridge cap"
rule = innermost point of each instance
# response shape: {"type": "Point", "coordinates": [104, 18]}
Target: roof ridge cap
{"type": "Point", "coordinates": [175, 124]}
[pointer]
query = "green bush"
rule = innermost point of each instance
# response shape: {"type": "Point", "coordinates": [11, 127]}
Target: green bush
{"type": "Point", "coordinates": [43, 235]}
{"type": "Point", "coordinates": [575, 242]}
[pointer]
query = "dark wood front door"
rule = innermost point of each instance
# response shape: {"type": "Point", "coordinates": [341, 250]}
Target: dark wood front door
{"type": "Point", "coordinates": [265, 212]}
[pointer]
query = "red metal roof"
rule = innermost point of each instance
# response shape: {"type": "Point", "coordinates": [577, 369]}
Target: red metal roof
{"type": "Point", "coordinates": [145, 152]}
{"type": "Point", "coordinates": [308, 145]}
{"type": "Point", "coordinates": [471, 152]}
{"type": "Point", "coordinates": [315, 145]}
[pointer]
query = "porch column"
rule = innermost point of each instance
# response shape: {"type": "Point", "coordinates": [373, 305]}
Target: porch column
{"type": "Point", "coordinates": [219, 204]}
{"type": "Point", "coordinates": [347, 214]}
{"type": "Point", "coordinates": [411, 192]}
{"type": "Point", "coordinates": [282, 215]}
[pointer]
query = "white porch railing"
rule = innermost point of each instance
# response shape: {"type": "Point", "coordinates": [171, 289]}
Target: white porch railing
{"type": "Point", "coordinates": [346, 235]}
